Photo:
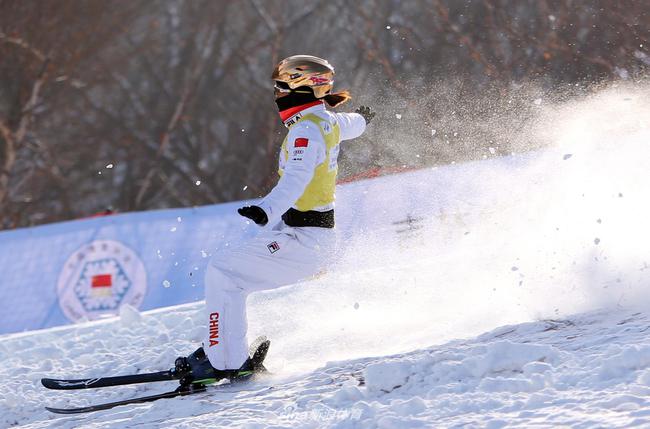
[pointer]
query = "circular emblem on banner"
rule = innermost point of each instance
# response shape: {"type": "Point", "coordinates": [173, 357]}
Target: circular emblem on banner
{"type": "Point", "coordinates": [100, 277]}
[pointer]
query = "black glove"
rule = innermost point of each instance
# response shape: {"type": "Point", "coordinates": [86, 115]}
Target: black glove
{"type": "Point", "coordinates": [366, 113]}
{"type": "Point", "coordinates": [254, 213]}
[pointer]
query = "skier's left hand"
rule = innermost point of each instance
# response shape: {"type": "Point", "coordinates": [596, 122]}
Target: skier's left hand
{"type": "Point", "coordinates": [254, 213]}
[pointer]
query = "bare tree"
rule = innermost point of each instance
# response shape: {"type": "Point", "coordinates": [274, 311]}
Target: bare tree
{"type": "Point", "coordinates": [151, 104]}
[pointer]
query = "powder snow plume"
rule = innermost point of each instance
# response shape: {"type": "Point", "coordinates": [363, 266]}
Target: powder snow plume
{"type": "Point", "coordinates": [539, 235]}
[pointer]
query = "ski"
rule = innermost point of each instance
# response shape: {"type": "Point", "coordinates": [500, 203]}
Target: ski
{"type": "Point", "coordinates": [259, 349]}
{"type": "Point", "coordinates": [181, 391]}
{"type": "Point", "coordinates": [120, 380]}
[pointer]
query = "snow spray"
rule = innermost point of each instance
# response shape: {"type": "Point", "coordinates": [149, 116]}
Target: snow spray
{"type": "Point", "coordinates": [538, 234]}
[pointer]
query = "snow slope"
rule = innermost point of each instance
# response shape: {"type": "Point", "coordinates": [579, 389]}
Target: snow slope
{"type": "Point", "coordinates": [554, 251]}
{"type": "Point", "coordinates": [591, 370]}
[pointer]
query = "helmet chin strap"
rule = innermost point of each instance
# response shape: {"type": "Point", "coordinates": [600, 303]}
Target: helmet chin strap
{"type": "Point", "coordinates": [297, 97]}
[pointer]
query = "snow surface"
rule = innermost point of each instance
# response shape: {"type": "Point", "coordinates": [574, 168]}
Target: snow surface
{"type": "Point", "coordinates": [550, 259]}
{"type": "Point", "coordinates": [591, 370]}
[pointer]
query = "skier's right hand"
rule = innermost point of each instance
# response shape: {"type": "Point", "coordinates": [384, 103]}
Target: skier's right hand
{"type": "Point", "coordinates": [254, 213]}
{"type": "Point", "coordinates": [366, 112]}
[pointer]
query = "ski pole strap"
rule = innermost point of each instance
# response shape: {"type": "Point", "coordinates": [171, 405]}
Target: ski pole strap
{"type": "Point", "coordinates": [313, 218]}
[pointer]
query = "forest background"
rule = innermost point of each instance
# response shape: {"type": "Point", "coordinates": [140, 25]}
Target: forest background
{"type": "Point", "coordinates": [115, 106]}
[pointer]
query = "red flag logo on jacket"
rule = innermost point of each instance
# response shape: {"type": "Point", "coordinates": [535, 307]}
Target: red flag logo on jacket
{"type": "Point", "coordinates": [301, 142]}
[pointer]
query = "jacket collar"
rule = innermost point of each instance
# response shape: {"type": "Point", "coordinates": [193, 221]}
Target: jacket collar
{"type": "Point", "coordinates": [293, 115]}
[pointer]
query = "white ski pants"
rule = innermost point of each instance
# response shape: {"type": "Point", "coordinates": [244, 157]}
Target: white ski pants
{"type": "Point", "coordinates": [273, 258]}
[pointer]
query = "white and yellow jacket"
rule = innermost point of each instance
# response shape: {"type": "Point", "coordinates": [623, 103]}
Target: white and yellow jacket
{"type": "Point", "coordinates": [308, 159]}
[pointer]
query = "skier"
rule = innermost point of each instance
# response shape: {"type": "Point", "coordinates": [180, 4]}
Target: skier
{"type": "Point", "coordinates": [297, 216]}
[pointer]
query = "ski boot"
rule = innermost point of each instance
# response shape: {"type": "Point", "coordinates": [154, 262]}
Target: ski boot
{"type": "Point", "coordinates": [196, 369]}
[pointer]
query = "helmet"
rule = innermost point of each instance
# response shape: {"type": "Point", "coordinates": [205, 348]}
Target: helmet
{"type": "Point", "coordinates": [304, 70]}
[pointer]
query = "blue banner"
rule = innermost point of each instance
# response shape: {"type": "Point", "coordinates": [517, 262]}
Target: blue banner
{"type": "Point", "coordinates": [86, 269]}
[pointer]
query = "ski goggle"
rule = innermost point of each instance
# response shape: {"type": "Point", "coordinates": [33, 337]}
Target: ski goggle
{"type": "Point", "coordinates": [281, 86]}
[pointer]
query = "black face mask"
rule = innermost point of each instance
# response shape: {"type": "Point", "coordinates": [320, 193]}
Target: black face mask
{"type": "Point", "coordinates": [297, 97]}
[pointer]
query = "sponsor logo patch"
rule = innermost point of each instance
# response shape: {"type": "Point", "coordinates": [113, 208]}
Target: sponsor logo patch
{"type": "Point", "coordinates": [98, 278]}
{"type": "Point", "coordinates": [273, 247]}
{"type": "Point", "coordinates": [319, 80]}
{"type": "Point", "coordinates": [298, 154]}
{"type": "Point", "coordinates": [292, 120]}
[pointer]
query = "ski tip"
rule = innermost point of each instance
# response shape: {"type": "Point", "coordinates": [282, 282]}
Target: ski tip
{"type": "Point", "coordinates": [256, 344]}
{"type": "Point", "coordinates": [50, 383]}
{"type": "Point", "coordinates": [64, 410]}
{"type": "Point", "coordinates": [260, 353]}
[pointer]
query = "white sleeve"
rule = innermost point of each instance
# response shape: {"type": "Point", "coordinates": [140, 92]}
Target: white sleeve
{"type": "Point", "coordinates": [352, 125]}
{"type": "Point", "coordinates": [306, 150]}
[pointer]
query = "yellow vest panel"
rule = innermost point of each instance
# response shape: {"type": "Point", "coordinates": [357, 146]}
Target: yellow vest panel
{"type": "Point", "coordinates": [320, 191]}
